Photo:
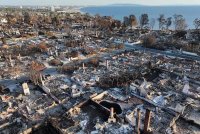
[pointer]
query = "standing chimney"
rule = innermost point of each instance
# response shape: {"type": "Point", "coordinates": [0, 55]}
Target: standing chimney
{"type": "Point", "coordinates": [10, 61]}
{"type": "Point", "coordinates": [111, 118]}
{"type": "Point", "coordinates": [138, 120]}
{"type": "Point", "coordinates": [83, 68]}
{"type": "Point", "coordinates": [112, 112]}
{"type": "Point", "coordinates": [147, 121]}
{"type": "Point", "coordinates": [107, 64]}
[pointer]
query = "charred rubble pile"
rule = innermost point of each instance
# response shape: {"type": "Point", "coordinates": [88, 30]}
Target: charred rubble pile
{"type": "Point", "coordinates": [63, 73]}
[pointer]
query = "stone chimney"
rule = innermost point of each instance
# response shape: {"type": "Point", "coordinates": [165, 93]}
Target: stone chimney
{"type": "Point", "coordinates": [111, 119]}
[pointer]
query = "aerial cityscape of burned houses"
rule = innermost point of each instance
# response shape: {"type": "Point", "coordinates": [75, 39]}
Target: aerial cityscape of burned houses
{"type": "Point", "coordinates": [66, 72]}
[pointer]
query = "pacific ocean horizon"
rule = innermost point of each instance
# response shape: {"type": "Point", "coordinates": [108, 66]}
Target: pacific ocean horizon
{"type": "Point", "coordinates": [190, 13]}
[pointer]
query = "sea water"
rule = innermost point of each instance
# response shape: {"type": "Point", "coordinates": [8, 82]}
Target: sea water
{"type": "Point", "coordinates": [190, 13]}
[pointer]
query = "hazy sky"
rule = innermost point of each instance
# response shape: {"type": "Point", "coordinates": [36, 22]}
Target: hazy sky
{"type": "Point", "coordinates": [98, 2]}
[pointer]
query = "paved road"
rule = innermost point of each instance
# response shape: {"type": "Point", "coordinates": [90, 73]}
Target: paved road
{"type": "Point", "coordinates": [185, 56]}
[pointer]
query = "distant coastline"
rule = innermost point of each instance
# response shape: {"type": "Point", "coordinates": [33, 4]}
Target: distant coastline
{"type": "Point", "coordinates": [118, 11]}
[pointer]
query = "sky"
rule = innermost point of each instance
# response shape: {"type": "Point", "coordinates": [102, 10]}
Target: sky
{"type": "Point", "coordinates": [98, 2]}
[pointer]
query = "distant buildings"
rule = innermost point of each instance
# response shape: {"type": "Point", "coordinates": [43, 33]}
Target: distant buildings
{"type": "Point", "coordinates": [52, 9]}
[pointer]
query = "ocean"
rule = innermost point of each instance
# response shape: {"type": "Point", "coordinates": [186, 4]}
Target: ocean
{"type": "Point", "coordinates": [190, 13]}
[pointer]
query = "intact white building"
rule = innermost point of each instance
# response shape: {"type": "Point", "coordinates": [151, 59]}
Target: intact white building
{"type": "Point", "coordinates": [52, 9]}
